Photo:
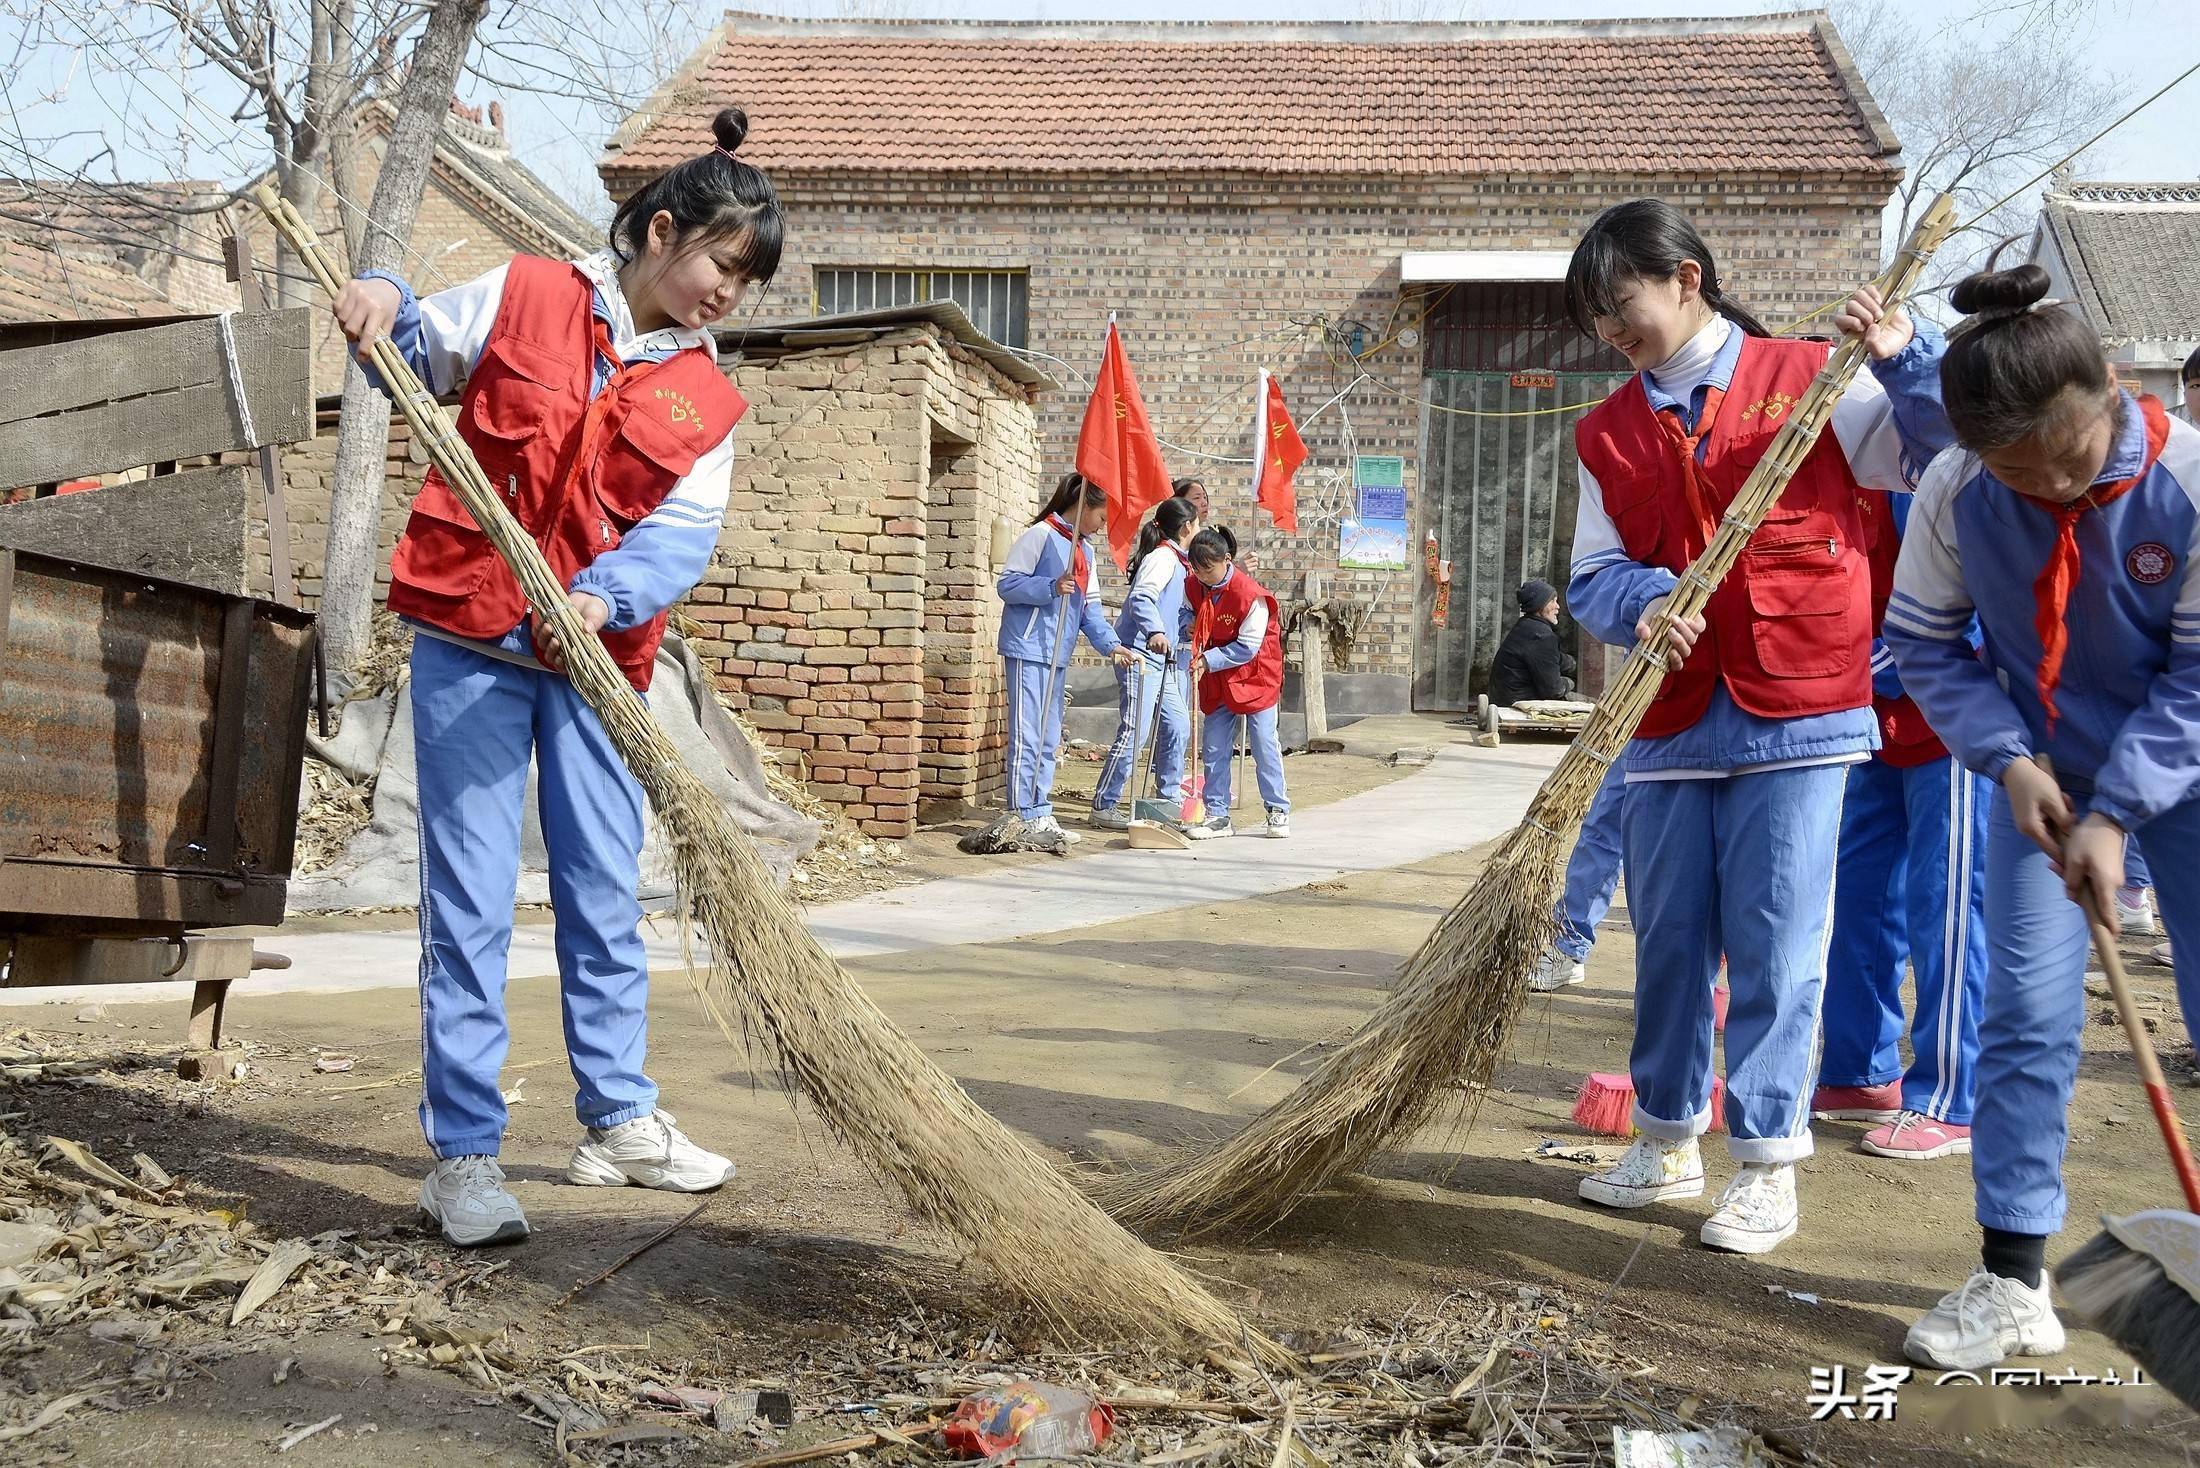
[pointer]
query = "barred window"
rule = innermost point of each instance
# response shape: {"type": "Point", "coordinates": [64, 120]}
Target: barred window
{"type": "Point", "coordinates": [994, 300]}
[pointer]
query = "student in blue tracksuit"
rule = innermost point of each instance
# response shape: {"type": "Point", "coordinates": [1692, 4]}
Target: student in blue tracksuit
{"type": "Point", "coordinates": [1734, 780]}
{"type": "Point", "coordinates": [594, 402]}
{"type": "Point", "coordinates": [1156, 624]}
{"type": "Point", "coordinates": [2067, 524]}
{"type": "Point", "coordinates": [1909, 895]}
{"type": "Point", "coordinates": [1592, 876]}
{"type": "Point", "coordinates": [1050, 574]}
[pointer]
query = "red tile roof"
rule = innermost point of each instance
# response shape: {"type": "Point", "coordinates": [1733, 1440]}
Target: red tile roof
{"type": "Point", "coordinates": [1776, 93]}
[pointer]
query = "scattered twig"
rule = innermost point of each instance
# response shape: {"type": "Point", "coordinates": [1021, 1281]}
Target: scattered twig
{"type": "Point", "coordinates": [636, 1252]}
{"type": "Point", "coordinates": [305, 1432]}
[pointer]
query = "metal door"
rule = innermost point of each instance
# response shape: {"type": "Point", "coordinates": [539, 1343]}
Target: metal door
{"type": "Point", "coordinates": [1499, 484]}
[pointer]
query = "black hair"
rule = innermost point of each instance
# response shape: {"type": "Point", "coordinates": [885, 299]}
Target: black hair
{"type": "Point", "coordinates": [2009, 365]}
{"type": "Point", "coordinates": [1211, 545]}
{"type": "Point", "coordinates": [1074, 491]}
{"type": "Point", "coordinates": [1166, 523]}
{"type": "Point", "coordinates": [713, 195]}
{"type": "Point", "coordinates": [1642, 239]}
{"type": "Point", "coordinates": [2191, 372]}
{"type": "Point", "coordinates": [1182, 487]}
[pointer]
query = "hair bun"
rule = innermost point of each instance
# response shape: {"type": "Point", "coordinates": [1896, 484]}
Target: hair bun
{"type": "Point", "coordinates": [2000, 292]}
{"type": "Point", "coordinates": [729, 128]}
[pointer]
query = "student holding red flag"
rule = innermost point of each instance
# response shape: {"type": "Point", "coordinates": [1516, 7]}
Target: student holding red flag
{"type": "Point", "coordinates": [1116, 449]}
{"type": "Point", "coordinates": [1239, 631]}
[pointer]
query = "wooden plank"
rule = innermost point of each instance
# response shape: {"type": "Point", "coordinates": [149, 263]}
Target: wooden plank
{"type": "Point", "coordinates": [192, 527]}
{"type": "Point", "coordinates": [141, 397]}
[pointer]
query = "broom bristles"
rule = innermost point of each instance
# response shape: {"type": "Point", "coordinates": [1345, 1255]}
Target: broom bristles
{"type": "Point", "coordinates": [1606, 1105]}
{"type": "Point", "coordinates": [907, 1118]}
{"type": "Point", "coordinates": [2129, 1297]}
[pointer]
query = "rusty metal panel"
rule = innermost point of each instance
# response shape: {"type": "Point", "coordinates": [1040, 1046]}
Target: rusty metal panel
{"type": "Point", "coordinates": [123, 767]}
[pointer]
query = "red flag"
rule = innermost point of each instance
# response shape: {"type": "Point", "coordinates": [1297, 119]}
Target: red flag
{"type": "Point", "coordinates": [1116, 450]}
{"type": "Point", "coordinates": [1276, 439]}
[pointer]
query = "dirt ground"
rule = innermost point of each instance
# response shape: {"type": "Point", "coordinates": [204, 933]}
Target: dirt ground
{"type": "Point", "coordinates": [1105, 1044]}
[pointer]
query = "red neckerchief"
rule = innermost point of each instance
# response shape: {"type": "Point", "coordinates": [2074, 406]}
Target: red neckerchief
{"type": "Point", "coordinates": [2051, 591]}
{"type": "Point", "coordinates": [1078, 563]}
{"type": "Point", "coordinates": [1685, 444]}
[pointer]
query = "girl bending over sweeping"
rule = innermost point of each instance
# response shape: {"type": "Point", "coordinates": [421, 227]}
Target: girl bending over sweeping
{"type": "Point", "coordinates": [2069, 524]}
{"type": "Point", "coordinates": [1239, 631]}
{"type": "Point", "coordinates": [594, 400]}
{"type": "Point", "coordinates": [1155, 623]}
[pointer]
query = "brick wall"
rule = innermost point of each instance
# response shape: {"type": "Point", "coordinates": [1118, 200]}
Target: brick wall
{"type": "Point", "coordinates": [1194, 267]}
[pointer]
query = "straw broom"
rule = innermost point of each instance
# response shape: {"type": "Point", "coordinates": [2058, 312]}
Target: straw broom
{"type": "Point", "coordinates": [905, 1116]}
{"type": "Point", "coordinates": [1449, 1017]}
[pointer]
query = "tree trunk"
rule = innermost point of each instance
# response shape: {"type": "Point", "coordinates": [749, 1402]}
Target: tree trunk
{"type": "Point", "coordinates": [355, 491]}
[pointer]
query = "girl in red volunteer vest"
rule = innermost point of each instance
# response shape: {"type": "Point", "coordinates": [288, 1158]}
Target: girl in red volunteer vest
{"type": "Point", "coordinates": [1734, 781]}
{"type": "Point", "coordinates": [594, 401]}
{"type": "Point", "coordinates": [1238, 629]}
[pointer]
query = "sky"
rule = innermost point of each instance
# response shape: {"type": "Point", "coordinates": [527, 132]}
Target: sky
{"type": "Point", "coordinates": [2136, 44]}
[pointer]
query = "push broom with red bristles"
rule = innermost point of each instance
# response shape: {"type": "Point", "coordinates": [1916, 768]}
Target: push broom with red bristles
{"type": "Point", "coordinates": [1605, 1104]}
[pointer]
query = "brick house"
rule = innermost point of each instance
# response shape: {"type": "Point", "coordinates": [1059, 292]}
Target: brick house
{"type": "Point", "coordinates": [2128, 256]}
{"type": "Point", "coordinates": [1374, 207]}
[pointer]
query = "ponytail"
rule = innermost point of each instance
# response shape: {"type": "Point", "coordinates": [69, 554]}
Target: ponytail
{"type": "Point", "coordinates": [1167, 523]}
{"type": "Point", "coordinates": [1074, 492]}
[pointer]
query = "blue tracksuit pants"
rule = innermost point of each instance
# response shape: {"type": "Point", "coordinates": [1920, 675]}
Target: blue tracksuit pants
{"type": "Point", "coordinates": [1592, 872]}
{"type": "Point", "coordinates": [1743, 865]}
{"type": "Point", "coordinates": [476, 722]}
{"type": "Point", "coordinates": [1151, 694]}
{"type": "Point", "coordinates": [1034, 737]}
{"type": "Point", "coordinates": [1218, 739]}
{"type": "Point", "coordinates": [2037, 950]}
{"type": "Point", "coordinates": [1910, 891]}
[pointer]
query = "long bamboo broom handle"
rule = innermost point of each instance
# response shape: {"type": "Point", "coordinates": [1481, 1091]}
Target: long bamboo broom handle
{"type": "Point", "coordinates": [2142, 1051]}
{"type": "Point", "coordinates": [1621, 710]}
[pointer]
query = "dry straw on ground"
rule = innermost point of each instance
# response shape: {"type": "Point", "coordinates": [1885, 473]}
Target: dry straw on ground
{"type": "Point", "coordinates": [1452, 1011]}
{"type": "Point", "coordinates": [767, 977]}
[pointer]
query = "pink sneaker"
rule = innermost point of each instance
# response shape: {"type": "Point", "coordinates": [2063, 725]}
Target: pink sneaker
{"type": "Point", "coordinates": [1916, 1137]}
{"type": "Point", "coordinates": [1857, 1103]}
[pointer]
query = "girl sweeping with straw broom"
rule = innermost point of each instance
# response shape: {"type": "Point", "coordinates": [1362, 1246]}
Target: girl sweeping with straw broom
{"type": "Point", "coordinates": [2070, 524]}
{"type": "Point", "coordinates": [1049, 589]}
{"type": "Point", "coordinates": [1735, 776]}
{"type": "Point", "coordinates": [594, 400]}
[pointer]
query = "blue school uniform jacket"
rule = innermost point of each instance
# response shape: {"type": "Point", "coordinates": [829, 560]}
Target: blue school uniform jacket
{"type": "Point", "coordinates": [1032, 609]}
{"type": "Point", "coordinates": [1157, 603]}
{"type": "Point", "coordinates": [2128, 731]}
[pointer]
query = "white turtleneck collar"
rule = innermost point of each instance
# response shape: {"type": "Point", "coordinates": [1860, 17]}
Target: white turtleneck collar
{"type": "Point", "coordinates": [1682, 373]}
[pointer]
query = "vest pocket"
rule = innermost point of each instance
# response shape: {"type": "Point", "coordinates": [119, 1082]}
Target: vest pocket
{"type": "Point", "coordinates": [641, 463]}
{"type": "Point", "coordinates": [443, 552]}
{"type": "Point", "coordinates": [1804, 621]}
{"type": "Point", "coordinates": [517, 380]}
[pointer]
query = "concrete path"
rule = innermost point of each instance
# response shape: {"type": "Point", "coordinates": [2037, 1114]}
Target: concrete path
{"type": "Point", "coordinates": [1464, 797]}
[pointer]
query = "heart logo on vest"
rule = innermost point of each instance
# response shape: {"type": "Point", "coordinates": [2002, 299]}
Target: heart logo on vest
{"type": "Point", "coordinates": [2150, 564]}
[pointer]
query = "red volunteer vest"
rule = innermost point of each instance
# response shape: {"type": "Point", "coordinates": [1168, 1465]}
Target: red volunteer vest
{"type": "Point", "coordinates": [577, 473]}
{"type": "Point", "coordinates": [1906, 740]}
{"type": "Point", "coordinates": [1217, 613]}
{"type": "Point", "coordinates": [1790, 627]}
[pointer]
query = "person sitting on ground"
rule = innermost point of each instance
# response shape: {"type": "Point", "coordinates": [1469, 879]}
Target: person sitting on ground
{"type": "Point", "coordinates": [1530, 663]}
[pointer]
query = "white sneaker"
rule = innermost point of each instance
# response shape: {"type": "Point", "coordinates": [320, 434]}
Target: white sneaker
{"type": "Point", "coordinates": [1755, 1211]}
{"type": "Point", "coordinates": [1556, 971]}
{"type": "Point", "coordinates": [1279, 824]}
{"type": "Point", "coordinates": [1114, 818]}
{"type": "Point", "coordinates": [1210, 829]}
{"type": "Point", "coordinates": [2135, 913]}
{"type": "Point", "coordinates": [1985, 1321]}
{"type": "Point", "coordinates": [649, 1152]}
{"type": "Point", "coordinates": [1650, 1170]}
{"type": "Point", "coordinates": [466, 1198]}
{"type": "Point", "coordinates": [1047, 826]}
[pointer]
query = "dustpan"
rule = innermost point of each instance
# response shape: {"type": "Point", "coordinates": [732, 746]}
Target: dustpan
{"type": "Point", "coordinates": [1156, 835]}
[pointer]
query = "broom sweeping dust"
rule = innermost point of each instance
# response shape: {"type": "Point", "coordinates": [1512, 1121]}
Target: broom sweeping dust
{"type": "Point", "coordinates": [1451, 1013]}
{"type": "Point", "coordinates": [906, 1117]}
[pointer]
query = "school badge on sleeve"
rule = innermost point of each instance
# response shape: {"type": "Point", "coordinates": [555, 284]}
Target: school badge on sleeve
{"type": "Point", "coordinates": [2150, 564]}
